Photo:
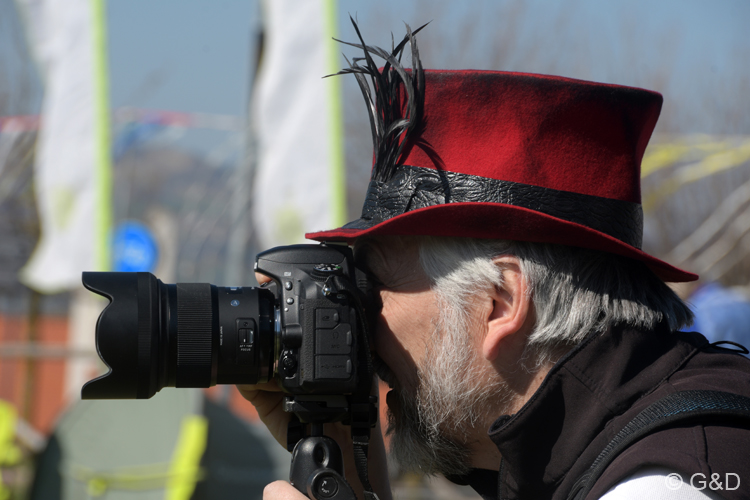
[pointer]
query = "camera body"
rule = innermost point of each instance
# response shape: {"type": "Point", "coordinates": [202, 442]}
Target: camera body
{"type": "Point", "coordinates": [319, 339]}
{"type": "Point", "coordinates": [306, 329]}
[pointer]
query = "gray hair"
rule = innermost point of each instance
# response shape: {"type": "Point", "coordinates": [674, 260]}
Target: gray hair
{"type": "Point", "coordinates": [574, 291]}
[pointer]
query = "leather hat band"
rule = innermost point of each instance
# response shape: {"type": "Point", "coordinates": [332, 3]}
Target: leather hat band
{"type": "Point", "coordinates": [411, 188]}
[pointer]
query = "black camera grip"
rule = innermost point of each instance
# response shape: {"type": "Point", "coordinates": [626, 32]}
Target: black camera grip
{"type": "Point", "coordinates": [317, 470]}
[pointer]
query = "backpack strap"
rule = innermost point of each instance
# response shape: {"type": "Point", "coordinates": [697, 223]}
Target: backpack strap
{"type": "Point", "coordinates": [673, 410]}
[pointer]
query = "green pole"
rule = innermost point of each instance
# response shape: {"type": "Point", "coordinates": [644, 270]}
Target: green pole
{"type": "Point", "coordinates": [337, 168]}
{"type": "Point", "coordinates": [102, 147]}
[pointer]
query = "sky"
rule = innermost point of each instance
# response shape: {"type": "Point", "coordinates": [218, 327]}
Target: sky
{"type": "Point", "coordinates": [195, 55]}
{"type": "Point", "coordinates": [181, 55]}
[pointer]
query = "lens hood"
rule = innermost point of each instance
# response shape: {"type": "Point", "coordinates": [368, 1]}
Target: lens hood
{"type": "Point", "coordinates": [134, 300]}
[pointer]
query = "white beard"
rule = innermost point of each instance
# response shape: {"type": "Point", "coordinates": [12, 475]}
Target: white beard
{"type": "Point", "coordinates": [431, 431]}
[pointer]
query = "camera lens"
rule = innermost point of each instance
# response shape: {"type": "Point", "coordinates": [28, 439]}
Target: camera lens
{"type": "Point", "coordinates": [154, 335]}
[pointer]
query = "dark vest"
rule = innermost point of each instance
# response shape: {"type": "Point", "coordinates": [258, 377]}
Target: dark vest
{"type": "Point", "coordinates": [593, 392]}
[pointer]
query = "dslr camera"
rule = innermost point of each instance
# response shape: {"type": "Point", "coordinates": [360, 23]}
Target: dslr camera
{"type": "Point", "coordinates": [307, 329]}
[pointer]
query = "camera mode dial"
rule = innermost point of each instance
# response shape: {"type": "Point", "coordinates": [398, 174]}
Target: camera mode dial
{"type": "Point", "coordinates": [322, 272]}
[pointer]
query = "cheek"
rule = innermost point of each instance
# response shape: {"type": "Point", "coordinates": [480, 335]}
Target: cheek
{"type": "Point", "coordinates": [404, 327]}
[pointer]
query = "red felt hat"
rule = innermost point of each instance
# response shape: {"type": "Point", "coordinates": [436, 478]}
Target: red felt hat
{"type": "Point", "coordinates": [486, 154]}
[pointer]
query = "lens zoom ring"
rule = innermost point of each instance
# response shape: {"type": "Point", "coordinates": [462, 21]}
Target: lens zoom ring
{"type": "Point", "coordinates": [194, 321]}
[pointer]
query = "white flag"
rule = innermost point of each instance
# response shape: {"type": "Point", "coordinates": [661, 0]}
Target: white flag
{"type": "Point", "coordinates": [299, 181]}
{"type": "Point", "coordinates": [72, 171]}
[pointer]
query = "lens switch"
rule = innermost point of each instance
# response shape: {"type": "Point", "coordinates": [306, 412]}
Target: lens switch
{"type": "Point", "coordinates": [246, 330]}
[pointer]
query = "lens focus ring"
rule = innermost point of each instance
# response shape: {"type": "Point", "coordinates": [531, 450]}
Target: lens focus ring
{"type": "Point", "coordinates": [194, 324]}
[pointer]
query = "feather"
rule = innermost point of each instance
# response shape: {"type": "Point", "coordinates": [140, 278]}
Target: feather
{"type": "Point", "coordinates": [391, 128]}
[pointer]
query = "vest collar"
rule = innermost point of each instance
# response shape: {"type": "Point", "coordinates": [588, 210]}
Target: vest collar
{"type": "Point", "coordinates": [598, 380]}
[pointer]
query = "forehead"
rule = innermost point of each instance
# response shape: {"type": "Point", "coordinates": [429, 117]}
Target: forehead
{"type": "Point", "coordinates": [388, 256]}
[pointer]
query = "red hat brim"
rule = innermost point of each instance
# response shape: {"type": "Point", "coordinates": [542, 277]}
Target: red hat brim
{"type": "Point", "coordinates": [500, 221]}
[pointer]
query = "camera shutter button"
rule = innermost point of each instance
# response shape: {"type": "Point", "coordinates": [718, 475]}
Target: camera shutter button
{"type": "Point", "coordinates": [327, 486]}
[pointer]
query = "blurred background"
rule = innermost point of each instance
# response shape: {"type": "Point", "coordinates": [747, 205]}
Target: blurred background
{"type": "Point", "coordinates": [184, 136]}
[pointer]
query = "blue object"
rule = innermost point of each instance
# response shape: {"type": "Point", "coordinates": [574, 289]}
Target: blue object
{"type": "Point", "coordinates": [134, 248]}
{"type": "Point", "coordinates": [720, 314]}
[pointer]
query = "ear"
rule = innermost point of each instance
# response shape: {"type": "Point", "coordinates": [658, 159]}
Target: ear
{"type": "Point", "coordinates": [510, 307]}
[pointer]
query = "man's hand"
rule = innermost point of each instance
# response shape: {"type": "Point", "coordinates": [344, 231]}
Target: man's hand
{"type": "Point", "coordinates": [268, 401]}
{"type": "Point", "coordinates": [281, 490]}
{"type": "Point", "coordinates": [268, 398]}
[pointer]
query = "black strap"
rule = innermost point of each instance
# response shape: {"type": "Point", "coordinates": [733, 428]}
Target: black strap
{"type": "Point", "coordinates": [295, 431]}
{"type": "Point", "coordinates": [363, 408]}
{"type": "Point", "coordinates": [676, 409]}
{"type": "Point", "coordinates": [720, 345]}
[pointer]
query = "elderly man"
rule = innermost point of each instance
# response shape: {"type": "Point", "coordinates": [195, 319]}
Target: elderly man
{"type": "Point", "coordinates": [522, 329]}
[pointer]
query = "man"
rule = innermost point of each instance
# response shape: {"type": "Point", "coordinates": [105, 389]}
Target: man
{"type": "Point", "coordinates": [521, 327]}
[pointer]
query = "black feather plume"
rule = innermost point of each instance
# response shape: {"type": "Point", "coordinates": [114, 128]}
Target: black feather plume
{"type": "Point", "coordinates": [390, 126]}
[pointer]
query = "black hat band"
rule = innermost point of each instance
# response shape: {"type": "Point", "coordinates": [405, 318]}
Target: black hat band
{"type": "Point", "coordinates": [411, 188]}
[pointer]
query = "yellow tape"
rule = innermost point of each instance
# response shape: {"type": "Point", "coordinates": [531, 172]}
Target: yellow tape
{"type": "Point", "coordinates": [723, 158]}
{"type": "Point", "coordinates": [133, 478]}
{"type": "Point", "coordinates": [714, 163]}
{"type": "Point", "coordinates": [661, 156]}
{"type": "Point", "coordinates": [185, 470]}
{"type": "Point", "coordinates": [10, 454]}
{"type": "Point", "coordinates": [688, 148]}
{"type": "Point", "coordinates": [97, 487]}
{"type": "Point", "coordinates": [178, 477]}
